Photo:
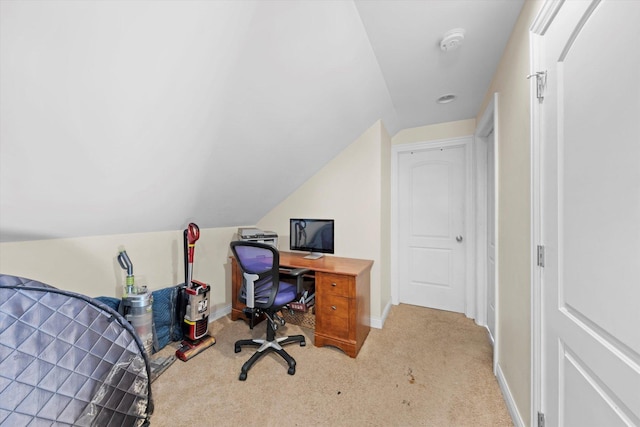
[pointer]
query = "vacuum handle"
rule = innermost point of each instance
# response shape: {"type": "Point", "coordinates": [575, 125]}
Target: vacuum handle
{"type": "Point", "coordinates": [125, 262]}
{"type": "Point", "coordinates": [193, 234]}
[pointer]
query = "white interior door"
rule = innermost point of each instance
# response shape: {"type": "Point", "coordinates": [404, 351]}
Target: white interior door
{"type": "Point", "coordinates": [591, 215]}
{"type": "Point", "coordinates": [491, 237]}
{"type": "Point", "coordinates": [431, 232]}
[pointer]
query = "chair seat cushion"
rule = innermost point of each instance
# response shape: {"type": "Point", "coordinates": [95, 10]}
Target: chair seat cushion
{"type": "Point", "coordinates": [286, 293]}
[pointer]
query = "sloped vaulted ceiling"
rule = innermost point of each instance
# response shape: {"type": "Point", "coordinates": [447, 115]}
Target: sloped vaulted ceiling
{"type": "Point", "coordinates": [138, 116]}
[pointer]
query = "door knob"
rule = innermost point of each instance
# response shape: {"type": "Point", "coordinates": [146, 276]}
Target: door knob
{"type": "Point", "coordinates": [458, 238]}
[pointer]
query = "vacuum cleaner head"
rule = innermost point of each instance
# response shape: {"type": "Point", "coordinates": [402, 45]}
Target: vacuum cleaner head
{"type": "Point", "coordinates": [190, 349]}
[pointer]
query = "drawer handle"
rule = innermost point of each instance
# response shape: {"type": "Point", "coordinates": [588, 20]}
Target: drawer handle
{"type": "Point", "coordinates": [334, 285]}
{"type": "Point", "coordinates": [333, 307]}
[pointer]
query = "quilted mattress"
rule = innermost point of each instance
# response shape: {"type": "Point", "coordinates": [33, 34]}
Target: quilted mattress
{"type": "Point", "coordinates": [67, 359]}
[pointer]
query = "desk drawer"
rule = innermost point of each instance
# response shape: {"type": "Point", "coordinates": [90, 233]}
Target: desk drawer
{"type": "Point", "coordinates": [332, 317]}
{"type": "Point", "coordinates": [335, 285]}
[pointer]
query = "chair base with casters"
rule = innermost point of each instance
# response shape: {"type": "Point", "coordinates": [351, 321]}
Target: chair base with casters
{"type": "Point", "coordinates": [268, 345]}
{"type": "Point", "coordinates": [263, 293]}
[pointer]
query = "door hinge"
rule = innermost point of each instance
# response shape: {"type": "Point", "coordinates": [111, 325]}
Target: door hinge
{"type": "Point", "coordinates": [540, 256]}
{"type": "Point", "coordinates": [541, 82]}
{"type": "Point", "coordinates": [540, 419]}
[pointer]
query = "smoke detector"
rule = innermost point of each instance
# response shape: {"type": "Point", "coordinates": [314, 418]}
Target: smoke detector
{"type": "Point", "coordinates": [452, 39]}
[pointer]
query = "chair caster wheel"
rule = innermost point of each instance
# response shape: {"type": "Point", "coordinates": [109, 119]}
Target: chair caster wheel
{"type": "Point", "coordinates": [237, 349]}
{"type": "Point", "coordinates": [303, 344]}
{"type": "Point", "coordinates": [292, 371]}
{"type": "Point", "coordinates": [243, 376]}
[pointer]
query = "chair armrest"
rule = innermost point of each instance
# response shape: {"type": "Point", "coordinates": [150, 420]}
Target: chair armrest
{"type": "Point", "coordinates": [295, 272]}
{"type": "Point", "coordinates": [298, 273]}
{"type": "Point", "coordinates": [250, 283]}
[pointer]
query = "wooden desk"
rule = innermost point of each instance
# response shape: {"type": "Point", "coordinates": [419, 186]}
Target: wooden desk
{"type": "Point", "coordinates": [343, 298]}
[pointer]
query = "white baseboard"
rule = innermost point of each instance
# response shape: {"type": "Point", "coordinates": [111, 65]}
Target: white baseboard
{"type": "Point", "coordinates": [378, 322]}
{"type": "Point", "coordinates": [508, 397]}
{"type": "Point", "coordinates": [493, 341]}
{"type": "Point", "coordinates": [218, 312]}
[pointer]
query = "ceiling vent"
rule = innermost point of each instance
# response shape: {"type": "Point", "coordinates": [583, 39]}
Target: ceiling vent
{"type": "Point", "coordinates": [452, 39]}
{"type": "Point", "coordinates": [445, 99]}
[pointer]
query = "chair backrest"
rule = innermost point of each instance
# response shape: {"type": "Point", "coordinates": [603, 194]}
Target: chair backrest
{"type": "Point", "coordinates": [260, 264]}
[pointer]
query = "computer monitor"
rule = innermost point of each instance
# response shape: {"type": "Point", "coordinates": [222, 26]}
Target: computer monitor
{"type": "Point", "coordinates": [312, 235]}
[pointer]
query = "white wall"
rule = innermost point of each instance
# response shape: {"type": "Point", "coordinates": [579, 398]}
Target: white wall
{"type": "Point", "coordinates": [385, 223]}
{"type": "Point", "coordinates": [513, 180]}
{"type": "Point", "coordinates": [350, 190]}
{"type": "Point", "coordinates": [447, 130]}
{"type": "Point", "coordinates": [88, 265]}
{"type": "Point", "coordinates": [353, 189]}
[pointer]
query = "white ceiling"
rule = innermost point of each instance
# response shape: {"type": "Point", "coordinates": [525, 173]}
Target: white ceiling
{"type": "Point", "coordinates": [405, 36]}
{"type": "Point", "coordinates": [139, 116]}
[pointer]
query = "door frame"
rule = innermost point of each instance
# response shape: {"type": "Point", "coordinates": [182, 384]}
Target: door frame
{"type": "Point", "coordinates": [537, 30]}
{"type": "Point", "coordinates": [488, 123]}
{"type": "Point", "coordinates": [469, 230]}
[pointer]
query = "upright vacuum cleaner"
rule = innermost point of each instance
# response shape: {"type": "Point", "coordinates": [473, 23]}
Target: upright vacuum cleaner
{"type": "Point", "coordinates": [194, 304]}
{"type": "Point", "coordinates": [137, 305]}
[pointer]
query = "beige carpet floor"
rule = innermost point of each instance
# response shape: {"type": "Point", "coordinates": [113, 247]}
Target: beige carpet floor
{"type": "Point", "coordinates": [424, 368]}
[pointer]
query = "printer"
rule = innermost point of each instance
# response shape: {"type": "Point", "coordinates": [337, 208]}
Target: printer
{"type": "Point", "coordinates": [257, 235]}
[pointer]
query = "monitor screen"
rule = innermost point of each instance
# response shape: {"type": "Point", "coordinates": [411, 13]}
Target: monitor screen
{"type": "Point", "coordinates": [311, 235]}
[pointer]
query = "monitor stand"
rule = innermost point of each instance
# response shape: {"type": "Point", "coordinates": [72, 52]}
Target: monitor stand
{"type": "Point", "coordinates": [314, 255]}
